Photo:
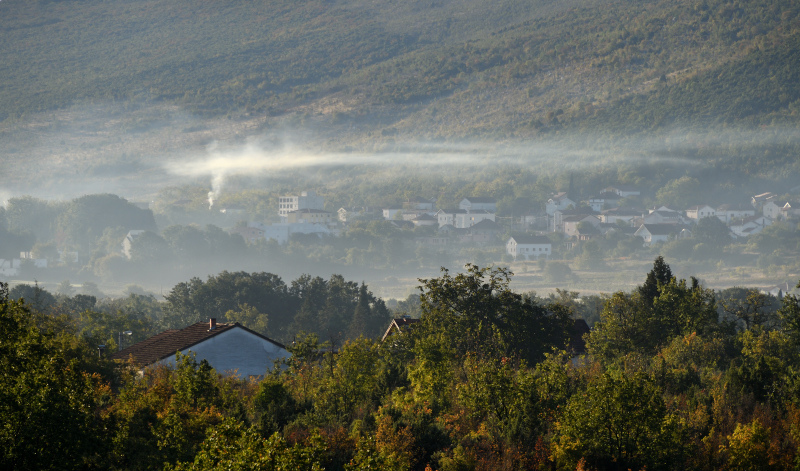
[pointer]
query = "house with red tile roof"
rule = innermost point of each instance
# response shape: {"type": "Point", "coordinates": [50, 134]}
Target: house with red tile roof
{"type": "Point", "coordinates": [228, 348]}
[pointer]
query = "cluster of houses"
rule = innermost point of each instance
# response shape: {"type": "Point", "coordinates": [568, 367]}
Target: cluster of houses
{"type": "Point", "coordinates": [605, 212]}
{"type": "Point", "coordinates": [475, 222]}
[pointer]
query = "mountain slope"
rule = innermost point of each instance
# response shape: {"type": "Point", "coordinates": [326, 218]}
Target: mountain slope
{"type": "Point", "coordinates": [441, 68]}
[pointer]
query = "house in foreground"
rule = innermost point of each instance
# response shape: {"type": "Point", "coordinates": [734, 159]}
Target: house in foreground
{"type": "Point", "coordinates": [228, 348]}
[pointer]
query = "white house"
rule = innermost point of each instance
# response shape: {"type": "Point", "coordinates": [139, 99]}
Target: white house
{"type": "Point", "coordinates": [790, 210]}
{"type": "Point", "coordinates": [313, 216]}
{"type": "Point", "coordinates": [701, 211]}
{"type": "Point", "coordinates": [758, 201]}
{"type": "Point", "coordinates": [470, 218]}
{"type": "Point", "coordinates": [484, 203]}
{"type": "Point", "coordinates": [127, 242]}
{"type": "Point", "coordinates": [228, 348]}
{"type": "Point", "coordinates": [559, 201]}
{"type": "Point", "coordinates": [654, 233]}
{"type": "Point", "coordinates": [425, 219]}
{"type": "Point", "coordinates": [306, 200]}
{"type": "Point", "coordinates": [389, 213]}
{"type": "Point", "coordinates": [571, 223]}
{"type": "Point", "coordinates": [661, 216]}
{"type": "Point", "coordinates": [603, 200]}
{"type": "Point", "coordinates": [623, 191]}
{"type": "Point", "coordinates": [448, 216]}
{"type": "Point", "coordinates": [527, 247]}
{"type": "Point", "coordinates": [748, 226]}
{"type": "Point", "coordinates": [418, 203]}
{"type": "Point", "coordinates": [9, 267]}
{"type": "Point", "coordinates": [561, 214]}
{"type": "Point", "coordinates": [281, 232]}
{"type": "Point", "coordinates": [728, 212]}
{"type": "Point", "coordinates": [614, 215]}
{"type": "Point", "coordinates": [250, 234]}
{"type": "Point", "coordinates": [772, 209]}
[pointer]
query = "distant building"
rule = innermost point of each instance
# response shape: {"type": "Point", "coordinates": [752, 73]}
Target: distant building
{"type": "Point", "coordinates": [528, 247]}
{"type": "Point", "coordinates": [772, 209]}
{"type": "Point", "coordinates": [10, 267]}
{"type": "Point", "coordinates": [728, 212]}
{"type": "Point", "coordinates": [623, 191]}
{"type": "Point", "coordinates": [759, 200]}
{"type": "Point", "coordinates": [417, 203]}
{"type": "Point", "coordinates": [700, 211]}
{"type": "Point", "coordinates": [473, 203]}
{"type": "Point", "coordinates": [250, 234]}
{"type": "Point", "coordinates": [306, 200]}
{"type": "Point", "coordinates": [603, 201]}
{"type": "Point", "coordinates": [424, 219]}
{"type": "Point", "coordinates": [571, 223]}
{"type": "Point", "coordinates": [127, 242]}
{"type": "Point", "coordinates": [614, 215]}
{"type": "Point", "coordinates": [313, 216]}
{"type": "Point", "coordinates": [654, 233]}
{"type": "Point", "coordinates": [558, 202]}
{"type": "Point", "coordinates": [745, 227]}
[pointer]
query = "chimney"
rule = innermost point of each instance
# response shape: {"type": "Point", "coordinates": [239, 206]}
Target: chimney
{"type": "Point", "coordinates": [212, 323]}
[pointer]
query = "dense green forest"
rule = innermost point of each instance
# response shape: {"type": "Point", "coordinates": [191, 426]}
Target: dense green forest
{"type": "Point", "coordinates": [676, 376]}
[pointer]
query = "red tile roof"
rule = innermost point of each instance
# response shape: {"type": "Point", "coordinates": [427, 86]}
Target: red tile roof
{"type": "Point", "coordinates": [167, 343]}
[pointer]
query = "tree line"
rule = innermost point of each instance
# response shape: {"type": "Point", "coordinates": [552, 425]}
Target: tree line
{"type": "Point", "coordinates": [674, 376]}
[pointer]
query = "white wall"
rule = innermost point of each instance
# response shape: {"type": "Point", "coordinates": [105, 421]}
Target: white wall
{"type": "Point", "coordinates": [236, 349]}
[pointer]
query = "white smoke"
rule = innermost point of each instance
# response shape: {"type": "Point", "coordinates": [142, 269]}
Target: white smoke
{"type": "Point", "coordinates": [255, 160]}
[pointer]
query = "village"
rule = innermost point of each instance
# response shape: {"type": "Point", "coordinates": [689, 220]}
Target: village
{"type": "Point", "coordinates": [613, 224]}
{"type": "Point", "coordinates": [529, 236]}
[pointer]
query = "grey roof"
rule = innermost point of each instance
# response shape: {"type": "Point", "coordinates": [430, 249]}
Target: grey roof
{"type": "Point", "coordinates": [308, 211]}
{"type": "Point", "coordinates": [663, 229]}
{"type": "Point", "coordinates": [531, 239]}
{"type": "Point", "coordinates": [480, 199]}
{"type": "Point", "coordinates": [486, 225]}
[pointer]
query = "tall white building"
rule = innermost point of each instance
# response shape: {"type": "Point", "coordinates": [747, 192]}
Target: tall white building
{"type": "Point", "coordinates": [306, 200]}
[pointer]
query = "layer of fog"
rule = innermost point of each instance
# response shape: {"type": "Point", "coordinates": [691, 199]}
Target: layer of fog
{"type": "Point", "coordinates": [136, 150]}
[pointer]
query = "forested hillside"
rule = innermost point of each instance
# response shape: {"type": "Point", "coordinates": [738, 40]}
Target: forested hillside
{"type": "Point", "coordinates": [674, 377]}
{"type": "Point", "coordinates": [443, 68]}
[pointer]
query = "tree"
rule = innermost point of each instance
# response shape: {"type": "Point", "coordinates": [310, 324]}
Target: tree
{"type": "Point", "coordinates": [659, 275]}
{"type": "Point", "coordinates": [713, 231]}
{"type": "Point", "coordinates": [477, 312]}
{"type": "Point", "coordinates": [249, 317]}
{"type": "Point", "coordinates": [150, 248]}
{"type": "Point", "coordinates": [35, 297]}
{"type": "Point", "coordinates": [653, 314]}
{"type": "Point", "coordinates": [84, 219]}
{"type": "Point", "coordinates": [619, 422]}
{"type": "Point", "coordinates": [748, 306]}
{"type": "Point", "coordinates": [232, 446]}
{"type": "Point", "coordinates": [680, 193]}
{"type": "Point", "coordinates": [65, 288]}
{"type": "Point", "coordinates": [48, 403]}
{"type": "Point", "coordinates": [748, 447]}
{"type": "Point", "coordinates": [789, 314]}
{"type": "Point", "coordinates": [557, 271]}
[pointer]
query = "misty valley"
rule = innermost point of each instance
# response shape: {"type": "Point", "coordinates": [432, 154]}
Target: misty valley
{"type": "Point", "coordinates": [442, 235]}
